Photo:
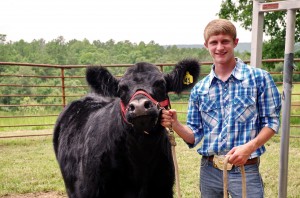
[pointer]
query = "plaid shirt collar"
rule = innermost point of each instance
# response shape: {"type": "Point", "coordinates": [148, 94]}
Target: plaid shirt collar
{"type": "Point", "coordinates": [237, 72]}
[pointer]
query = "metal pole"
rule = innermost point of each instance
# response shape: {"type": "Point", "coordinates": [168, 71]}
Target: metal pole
{"type": "Point", "coordinates": [286, 102]}
{"type": "Point", "coordinates": [257, 34]}
{"type": "Point", "coordinates": [63, 92]}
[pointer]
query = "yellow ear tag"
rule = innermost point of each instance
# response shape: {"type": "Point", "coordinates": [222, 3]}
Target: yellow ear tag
{"type": "Point", "coordinates": [188, 79]}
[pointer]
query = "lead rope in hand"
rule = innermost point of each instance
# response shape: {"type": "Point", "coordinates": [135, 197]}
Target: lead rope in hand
{"type": "Point", "coordinates": [173, 144]}
{"type": "Point", "coordinates": [225, 179]}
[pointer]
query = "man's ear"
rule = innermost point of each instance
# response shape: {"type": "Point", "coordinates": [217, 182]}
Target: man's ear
{"type": "Point", "coordinates": [184, 75]}
{"type": "Point", "coordinates": [205, 44]}
{"type": "Point", "coordinates": [236, 41]}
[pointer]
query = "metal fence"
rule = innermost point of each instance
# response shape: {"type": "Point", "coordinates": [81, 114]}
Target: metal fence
{"type": "Point", "coordinates": [35, 104]}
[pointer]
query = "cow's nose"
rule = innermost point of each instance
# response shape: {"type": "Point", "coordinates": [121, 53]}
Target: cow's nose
{"type": "Point", "coordinates": [140, 106]}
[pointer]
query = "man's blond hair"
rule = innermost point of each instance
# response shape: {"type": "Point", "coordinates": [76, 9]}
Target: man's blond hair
{"type": "Point", "coordinates": [219, 26]}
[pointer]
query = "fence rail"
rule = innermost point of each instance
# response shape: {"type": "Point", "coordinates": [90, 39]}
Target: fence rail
{"type": "Point", "coordinates": [22, 100]}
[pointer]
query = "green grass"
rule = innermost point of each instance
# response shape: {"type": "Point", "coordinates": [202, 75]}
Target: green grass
{"type": "Point", "coordinates": [28, 165]}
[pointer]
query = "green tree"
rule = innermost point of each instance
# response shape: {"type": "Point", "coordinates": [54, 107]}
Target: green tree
{"type": "Point", "coordinates": [3, 50]}
{"type": "Point", "coordinates": [56, 50]}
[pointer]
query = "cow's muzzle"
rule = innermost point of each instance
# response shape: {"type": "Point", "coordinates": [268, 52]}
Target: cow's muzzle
{"type": "Point", "coordinates": [141, 106]}
{"type": "Point", "coordinates": [142, 110]}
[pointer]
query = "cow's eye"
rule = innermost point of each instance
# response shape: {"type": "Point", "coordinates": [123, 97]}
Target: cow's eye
{"type": "Point", "coordinates": [159, 87]}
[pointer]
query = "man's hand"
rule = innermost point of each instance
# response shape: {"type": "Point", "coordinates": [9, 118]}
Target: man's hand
{"type": "Point", "coordinates": [168, 117]}
{"type": "Point", "coordinates": [240, 154]}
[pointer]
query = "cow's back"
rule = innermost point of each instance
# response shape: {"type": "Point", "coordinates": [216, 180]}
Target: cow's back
{"type": "Point", "coordinates": [72, 120]}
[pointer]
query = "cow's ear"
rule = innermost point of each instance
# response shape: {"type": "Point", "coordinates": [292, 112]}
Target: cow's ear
{"type": "Point", "coordinates": [102, 81]}
{"type": "Point", "coordinates": [184, 75]}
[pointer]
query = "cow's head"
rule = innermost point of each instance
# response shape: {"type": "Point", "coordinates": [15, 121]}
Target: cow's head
{"type": "Point", "coordinates": [143, 89]}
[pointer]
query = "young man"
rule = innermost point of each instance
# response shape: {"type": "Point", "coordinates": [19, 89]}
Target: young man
{"type": "Point", "coordinates": [233, 111]}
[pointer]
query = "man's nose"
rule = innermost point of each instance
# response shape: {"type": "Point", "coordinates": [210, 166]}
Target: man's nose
{"type": "Point", "coordinates": [220, 46]}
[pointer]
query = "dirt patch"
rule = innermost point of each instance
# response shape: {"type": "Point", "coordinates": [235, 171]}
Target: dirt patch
{"type": "Point", "coordinates": [37, 195]}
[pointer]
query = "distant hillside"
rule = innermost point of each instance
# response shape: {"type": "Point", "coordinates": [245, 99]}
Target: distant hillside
{"type": "Point", "coordinates": [242, 47]}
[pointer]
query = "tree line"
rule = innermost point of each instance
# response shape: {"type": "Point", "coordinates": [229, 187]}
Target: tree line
{"type": "Point", "coordinates": [77, 52]}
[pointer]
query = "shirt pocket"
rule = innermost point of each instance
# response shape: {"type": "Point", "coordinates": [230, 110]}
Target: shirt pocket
{"type": "Point", "coordinates": [244, 108]}
{"type": "Point", "coordinates": [210, 113]}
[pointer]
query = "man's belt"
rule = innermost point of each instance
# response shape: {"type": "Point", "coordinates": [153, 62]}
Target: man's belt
{"type": "Point", "coordinates": [219, 164]}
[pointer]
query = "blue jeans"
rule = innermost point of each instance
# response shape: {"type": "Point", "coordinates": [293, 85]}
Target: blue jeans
{"type": "Point", "coordinates": [211, 181]}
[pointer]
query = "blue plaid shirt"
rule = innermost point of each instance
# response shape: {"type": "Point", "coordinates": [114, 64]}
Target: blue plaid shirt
{"type": "Point", "coordinates": [227, 114]}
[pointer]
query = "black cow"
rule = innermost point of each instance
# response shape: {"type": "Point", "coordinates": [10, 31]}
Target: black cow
{"type": "Point", "coordinates": [111, 143]}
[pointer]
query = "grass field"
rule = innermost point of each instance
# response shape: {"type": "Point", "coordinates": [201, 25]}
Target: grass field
{"type": "Point", "coordinates": [28, 165]}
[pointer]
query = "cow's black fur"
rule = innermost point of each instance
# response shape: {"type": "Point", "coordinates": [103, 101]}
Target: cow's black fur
{"type": "Point", "coordinates": [100, 153]}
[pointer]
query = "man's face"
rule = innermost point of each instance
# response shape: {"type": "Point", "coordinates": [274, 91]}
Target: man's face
{"type": "Point", "coordinates": [221, 48]}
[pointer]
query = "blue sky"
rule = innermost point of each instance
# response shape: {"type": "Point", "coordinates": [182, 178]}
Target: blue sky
{"type": "Point", "coordinates": [163, 21]}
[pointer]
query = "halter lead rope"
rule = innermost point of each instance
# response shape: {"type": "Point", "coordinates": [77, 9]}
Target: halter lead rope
{"type": "Point", "coordinates": [173, 144]}
{"type": "Point", "coordinates": [225, 179]}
